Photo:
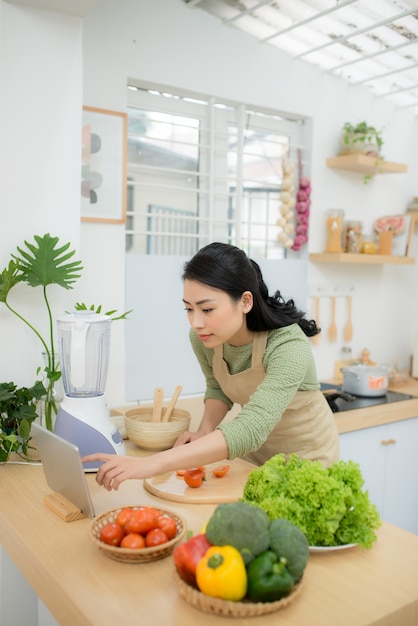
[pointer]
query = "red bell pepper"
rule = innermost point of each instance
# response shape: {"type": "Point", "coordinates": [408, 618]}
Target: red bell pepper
{"type": "Point", "coordinates": [188, 554]}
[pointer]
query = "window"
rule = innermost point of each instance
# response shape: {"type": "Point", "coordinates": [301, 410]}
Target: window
{"type": "Point", "coordinates": [203, 170]}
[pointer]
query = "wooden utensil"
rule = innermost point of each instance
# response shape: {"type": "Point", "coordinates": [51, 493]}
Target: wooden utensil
{"type": "Point", "coordinates": [332, 330]}
{"type": "Point", "coordinates": [158, 404]}
{"type": "Point", "coordinates": [348, 331]}
{"type": "Point", "coordinates": [171, 404]}
{"type": "Point", "coordinates": [316, 338]}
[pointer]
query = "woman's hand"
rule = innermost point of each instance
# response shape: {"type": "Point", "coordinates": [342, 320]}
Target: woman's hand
{"type": "Point", "coordinates": [115, 469]}
{"type": "Point", "coordinates": [187, 437]}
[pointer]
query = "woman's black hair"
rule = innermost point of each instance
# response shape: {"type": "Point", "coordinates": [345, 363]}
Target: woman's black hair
{"type": "Point", "coordinates": [229, 269]}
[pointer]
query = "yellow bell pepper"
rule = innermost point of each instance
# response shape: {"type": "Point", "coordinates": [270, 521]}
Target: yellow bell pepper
{"type": "Point", "coordinates": [221, 573]}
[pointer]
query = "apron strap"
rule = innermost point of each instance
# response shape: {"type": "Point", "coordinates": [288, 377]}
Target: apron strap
{"type": "Point", "coordinates": [259, 346]}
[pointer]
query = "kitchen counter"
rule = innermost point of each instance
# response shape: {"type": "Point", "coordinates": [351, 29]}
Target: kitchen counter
{"type": "Point", "coordinates": [356, 419]}
{"type": "Point", "coordinates": [347, 421]}
{"type": "Point", "coordinates": [82, 587]}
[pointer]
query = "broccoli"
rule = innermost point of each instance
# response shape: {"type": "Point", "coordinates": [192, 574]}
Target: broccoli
{"type": "Point", "coordinates": [242, 525]}
{"type": "Point", "coordinates": [288, 541]}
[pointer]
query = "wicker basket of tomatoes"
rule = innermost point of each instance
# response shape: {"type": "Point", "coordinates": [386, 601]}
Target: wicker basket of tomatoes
{"type": "Point", "coordinates": [138, 534]}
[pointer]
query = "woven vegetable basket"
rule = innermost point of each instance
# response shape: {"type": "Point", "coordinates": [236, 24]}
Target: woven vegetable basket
{"type": "Point", "coordinates": [245, 608]}
{"type": "Point", "coordinates": [143, 555]}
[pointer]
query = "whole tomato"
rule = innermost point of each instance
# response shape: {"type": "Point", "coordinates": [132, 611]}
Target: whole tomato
{"type": "Point", "coordinates": [133, 541]}
{"type": "Point", "coordinates": [155, 512]}
{"type": "Point", "coordinates": [155, 537]}
{"type": "Point", "coordinates": [141, 521]}
{"type": "Point", "coordinates": [168, 525]}
{"type": "Point", "coordinates": [123, 516]}
{"type": "Point", "coordinates": [194, 477]}
{"type": "Point", "coordinates": [111, 534]}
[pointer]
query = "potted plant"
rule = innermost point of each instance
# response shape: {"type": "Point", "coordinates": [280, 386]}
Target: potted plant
{"type": "Point", "coordinates": [40, 265]}
{"type": "Point", "coordinates": [360, 139]}
{"type": "Point", "coordinates": [17, 412]}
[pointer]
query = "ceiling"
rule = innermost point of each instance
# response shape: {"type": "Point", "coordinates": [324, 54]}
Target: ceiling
{"type": "Point", "coordinates": [373, 43]}
{"type": "Point", "coordinates": [70, 7]}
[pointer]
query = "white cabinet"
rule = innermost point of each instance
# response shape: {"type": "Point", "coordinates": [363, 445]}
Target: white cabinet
{"type": "Point", "coordinates": [388, 457]}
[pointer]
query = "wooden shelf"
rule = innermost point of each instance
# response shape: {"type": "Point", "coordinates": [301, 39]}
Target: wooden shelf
{"type": "Point", "coordinates": [365, 259]}
{"type": "Point", "coordinates": [365, 164]}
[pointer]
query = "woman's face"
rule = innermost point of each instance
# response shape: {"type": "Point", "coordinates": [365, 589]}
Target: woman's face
{"type": "Point", "coordinates": [215, 317]}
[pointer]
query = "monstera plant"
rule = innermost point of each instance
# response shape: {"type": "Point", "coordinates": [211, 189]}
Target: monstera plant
{"type": "Point", "coordinates": [42, 264]}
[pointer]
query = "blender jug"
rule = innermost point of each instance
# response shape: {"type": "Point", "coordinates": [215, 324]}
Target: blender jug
{"type": "Point", "coordinates": [83, 418]}
{"type": "Point", "coordinates": [84, 340]}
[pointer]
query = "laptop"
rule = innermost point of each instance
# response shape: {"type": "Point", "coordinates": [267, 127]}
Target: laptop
{"type": "Point", "coordinates": [64, 472]}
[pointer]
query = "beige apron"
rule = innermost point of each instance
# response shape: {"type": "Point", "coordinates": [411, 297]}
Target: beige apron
{"type": "Point", "coordinates": [307, 427]}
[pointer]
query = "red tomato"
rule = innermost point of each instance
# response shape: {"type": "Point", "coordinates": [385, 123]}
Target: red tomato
{"type": "Point", "coordinates": [141, 521]}
{"type": "Point", "coordinates": [181, 472]}
{"type": "Point", "coordinates": [111, 534]}
{"type": "Point", "coordinates": [133, 541]}
{"type": "Point", "coordinates": [194, 477]}
{"type": "Point", "coordinates": [155, 537]}
{"type": "Point", "coordinates": [123, 516]}
{"type": "Point", "coordinates": [168, 525]}
{"type": "Point", "coordinates": [220, 471]}
{"type": "Point", "coordinates": [156, 513]}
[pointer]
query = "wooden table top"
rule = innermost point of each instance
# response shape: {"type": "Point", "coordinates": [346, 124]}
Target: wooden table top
{"type": "Point", "coordinates": [83, 587]}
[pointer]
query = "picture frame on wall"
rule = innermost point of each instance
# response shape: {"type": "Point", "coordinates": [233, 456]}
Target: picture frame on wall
{"type": "Point", "coordinates": [103, 168]}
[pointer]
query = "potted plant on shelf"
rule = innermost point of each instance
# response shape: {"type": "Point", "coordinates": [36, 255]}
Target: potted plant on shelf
{"type": "Point", "coordinates": [41, 265]}
{"type": "Point", "coordinates": [361, 139]}
{"type": "Point", "coordinates": [17, 412]}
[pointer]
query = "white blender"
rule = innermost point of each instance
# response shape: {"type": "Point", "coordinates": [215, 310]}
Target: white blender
{"type": "Point", "coordinates": [82, 419]}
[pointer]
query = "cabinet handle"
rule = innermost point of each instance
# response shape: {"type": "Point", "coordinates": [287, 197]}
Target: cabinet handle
{"type": "Point", "coordinates": [387, 442]}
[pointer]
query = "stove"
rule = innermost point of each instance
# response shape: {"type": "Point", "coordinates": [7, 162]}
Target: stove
{"type": "Point", "coordinates": [343, 401]}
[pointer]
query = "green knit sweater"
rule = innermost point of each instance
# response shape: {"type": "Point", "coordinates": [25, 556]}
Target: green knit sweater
{"type": "Point", "coordinates": [289, 366]}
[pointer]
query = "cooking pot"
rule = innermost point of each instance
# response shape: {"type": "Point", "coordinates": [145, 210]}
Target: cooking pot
{"type": "Point", "coordinates": [366, 380]}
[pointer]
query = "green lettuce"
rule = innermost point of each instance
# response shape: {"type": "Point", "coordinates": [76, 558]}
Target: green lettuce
{"type": "Point", "coordinates": [328, 504]}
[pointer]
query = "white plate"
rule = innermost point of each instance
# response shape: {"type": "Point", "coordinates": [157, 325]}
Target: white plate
{"type": "Point", "coordinates": [331, 548]}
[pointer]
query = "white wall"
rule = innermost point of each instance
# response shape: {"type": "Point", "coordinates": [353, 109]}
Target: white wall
{"type": "Point", "coordinates": [40, 120]}
{"type": "Point", "coordinates": [165, 42]}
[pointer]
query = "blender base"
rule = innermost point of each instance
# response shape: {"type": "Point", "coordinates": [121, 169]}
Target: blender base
{"type": "Point", "coordinates": [85, 423]}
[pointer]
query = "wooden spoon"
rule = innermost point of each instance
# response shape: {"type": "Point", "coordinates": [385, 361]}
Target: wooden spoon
{"type": "Point", "coordinates": [158, 404]}
{"type": "Point", "coordinates": [316, 338]}
{"type": "Point", "coordinates": [171, 404]}
{"type": "Point", "coordinates": [332, 330]}
{"type": "Point", "coordinates": [348, 331]}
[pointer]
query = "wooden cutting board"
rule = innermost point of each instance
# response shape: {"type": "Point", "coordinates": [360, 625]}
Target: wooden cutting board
{"type": "Point", "coordinates": [214, 490]}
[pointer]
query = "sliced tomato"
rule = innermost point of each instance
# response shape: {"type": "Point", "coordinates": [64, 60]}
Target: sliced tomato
{"type": "Point", "coordinates": [220, 471]}
{"type": "Point", "coordinates": [180, 472]}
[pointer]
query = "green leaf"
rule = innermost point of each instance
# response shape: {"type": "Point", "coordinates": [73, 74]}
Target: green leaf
{"type": "Point", "coordinates": [45, 264]}
{"type": "Point", "coordinates": [24, 429]}
{"type": "Point", "coordinates": [9, 277]}
{"type": "Point", "coordinates": [81, 306]}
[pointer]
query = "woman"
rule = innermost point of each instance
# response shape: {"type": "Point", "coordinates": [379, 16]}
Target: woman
{"type": "Point", "coordinates": [253, 350]}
